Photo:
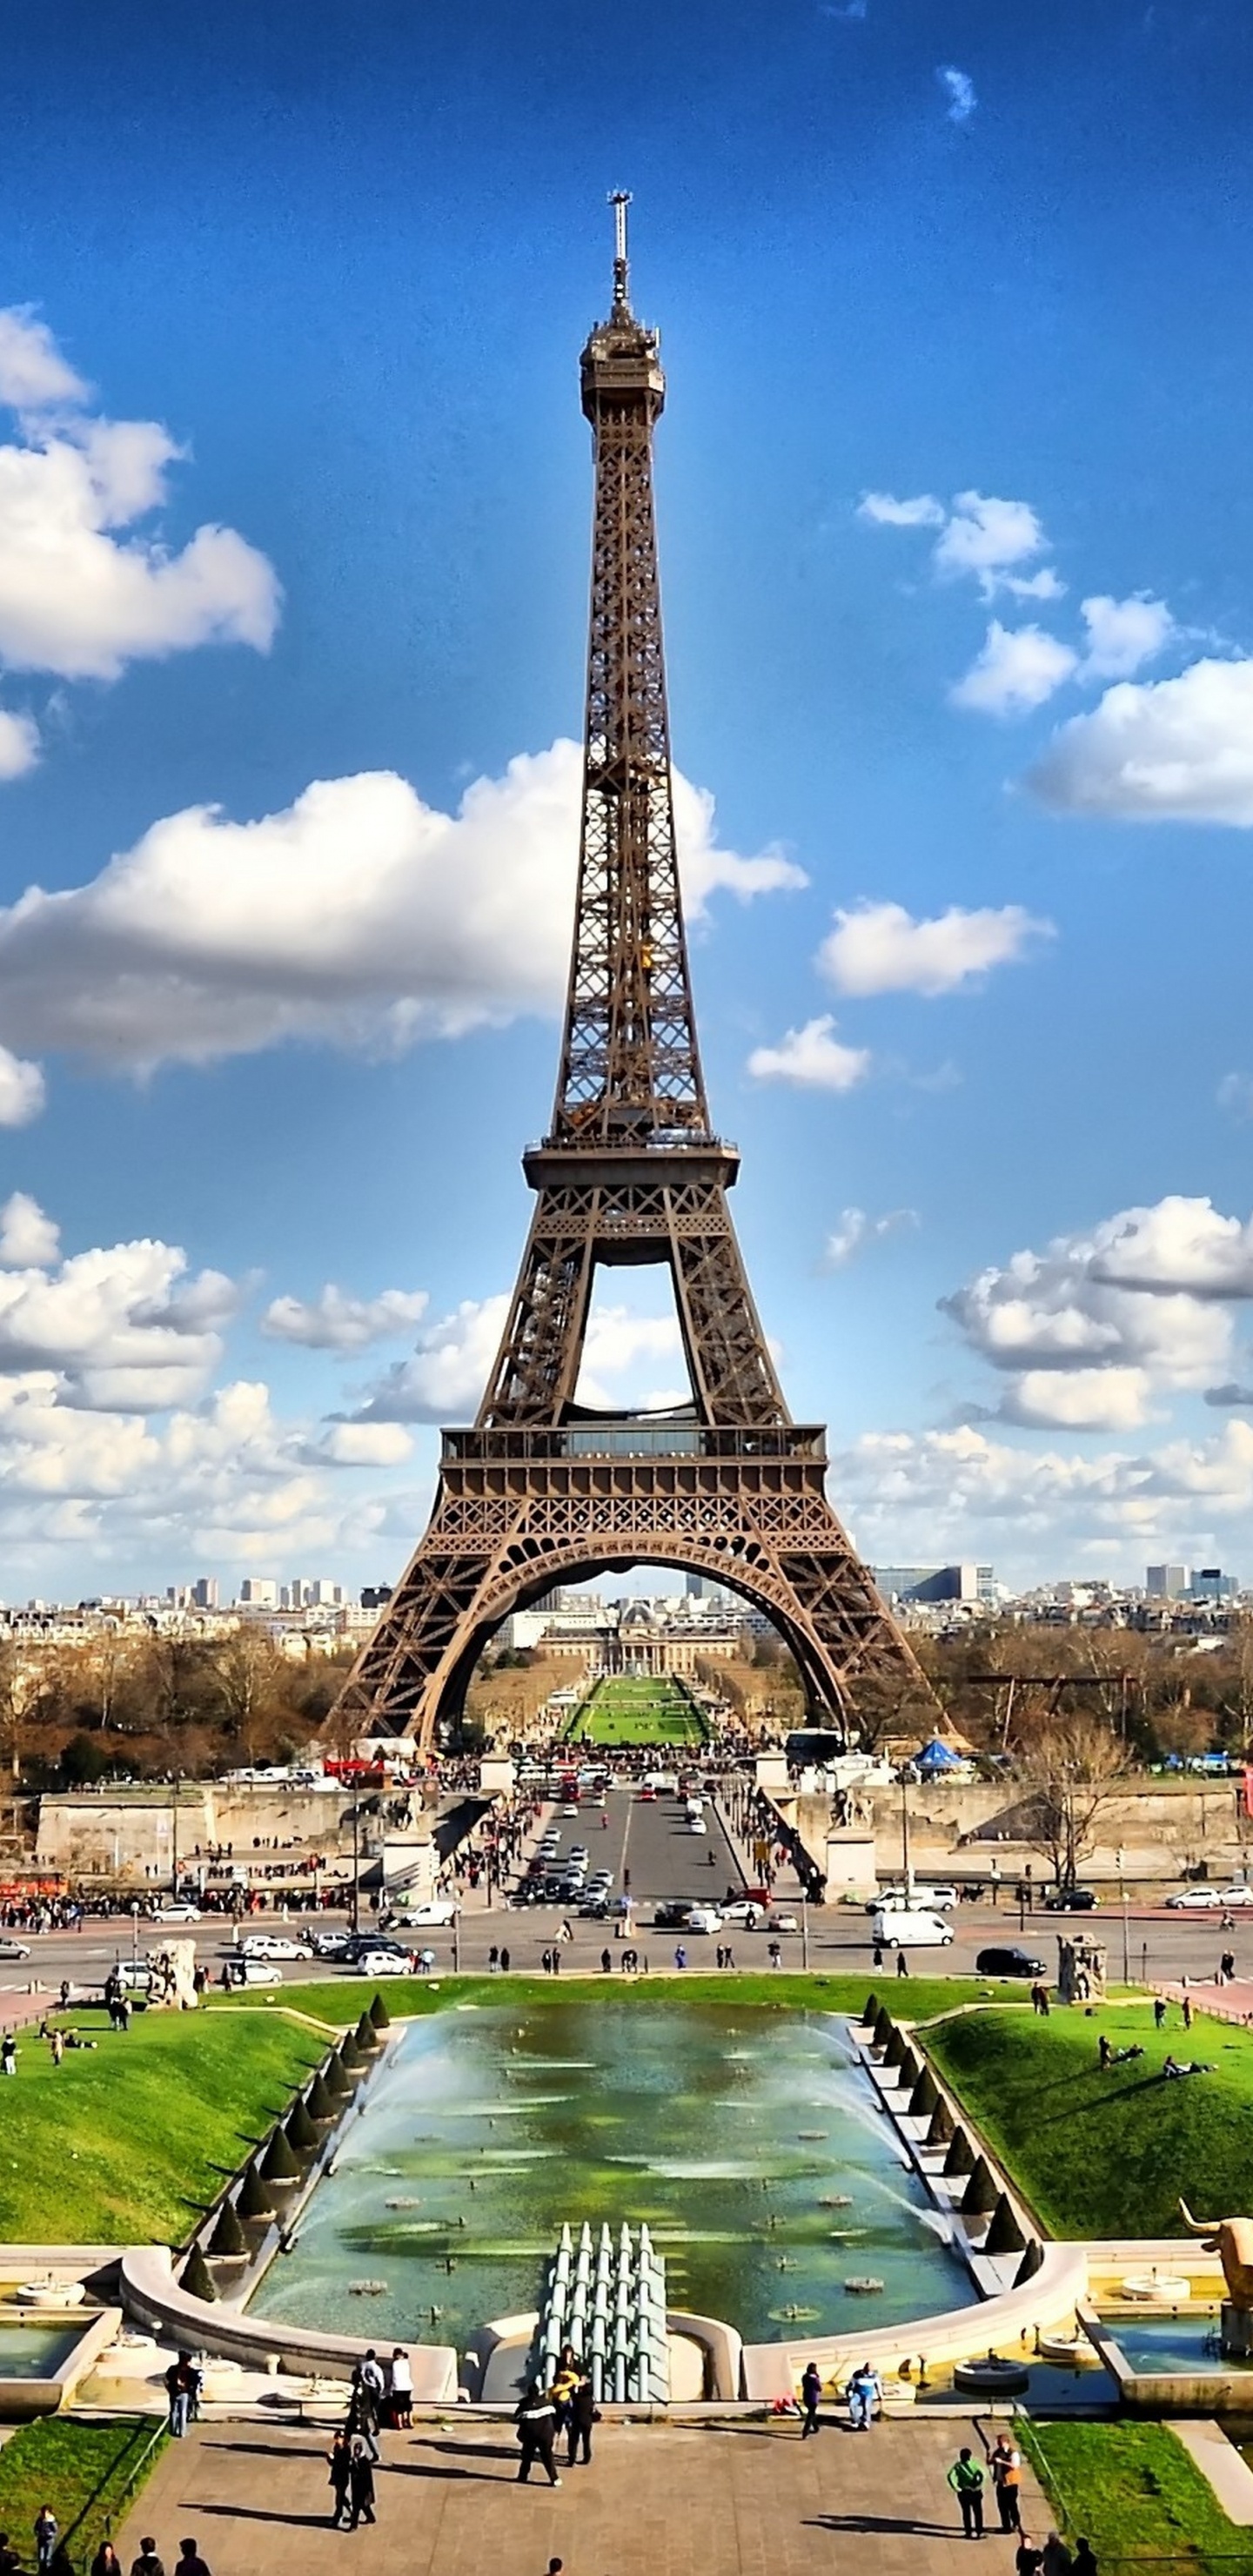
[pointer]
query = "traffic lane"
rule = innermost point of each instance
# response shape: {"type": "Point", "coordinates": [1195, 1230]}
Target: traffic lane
{"type": "Point", "coordinates": [1159, 1945]}
{"type": "Point", "coordinates": [666, 1861]}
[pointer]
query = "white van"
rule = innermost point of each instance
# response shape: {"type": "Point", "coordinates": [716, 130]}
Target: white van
{"type": "Point", "coordinates": [898, 1928]}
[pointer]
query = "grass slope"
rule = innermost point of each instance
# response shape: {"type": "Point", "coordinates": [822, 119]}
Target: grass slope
{"type": "Point", "coordinates": [1108, 2155]}
{"type": "Point", "coordinates": [126, 2144]}
{"type": "Point", "coordinates": [339, 2000]}
{"type": "Point", "coordinates": [626, 1711]}
{"type": "Point", "coordinates": [1134, 2492]}
{"type": "Point", "coordinates": [83, 2471]}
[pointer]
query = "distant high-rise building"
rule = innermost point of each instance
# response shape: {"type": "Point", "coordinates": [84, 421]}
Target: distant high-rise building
{"type": "Point", "coordinates": [323, 1594]}
{"type": "Point", "coordinates": [259, 1592]}
{"type": "Point", "coordinates": [1166, 1582]}
{"type": "Point", "coordinates": [1210, 1583]}
{"type": "Point", "coordinates": [204, 1592]}
{"type": "Point", "coordinates": [935, 1582]}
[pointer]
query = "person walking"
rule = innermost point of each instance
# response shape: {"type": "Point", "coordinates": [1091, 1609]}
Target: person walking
{"type": "Point", "coordinates": [1159, 2012]}
{"type": "Point", "coordinates": [580, 2417]}
{"type": "Point", "coordinates": [340, 2465]}
{"type": "Point", "coordinates": [47, 2531]}
{"type": "Point", "coordinates": [360, 2483]}
{"type": "Point", "coordinates": [1084, 2561]}
{"type": "Point", "coordinates": [1055, 2558]}
{"type": "Point", "coordinates": [966, 2480]}
{"type": "Point", "coordinates": [178, 2389]}
{"type": "Point", "coordinates": [811, 2398]}
{"type": "Point", "coordinates": [8, 2054]}
{"type": "Point", "coordinates": [536, 2420]}
{"type": "Point", "coordinates": [105, 2563]}
{"type": "Point", "coordinates": [902, 1964]}
{"type": "Point", "coordinates": [190, 2562]}
{"type": "Point", "coordinates": [1027, 2556]}
{"type": "Point", "coordinates": [148, 2563]}
{"type": "Point", "coordinates": [1187, 2011]}
{"type": "Point", "coordinates": [1005, 2464]}
{"type": "Point", "coordinates": [865, 2393]}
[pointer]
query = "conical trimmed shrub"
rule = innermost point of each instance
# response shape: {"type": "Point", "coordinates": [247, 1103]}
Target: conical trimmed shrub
{"type": "Point", "coordinates": [318, 2100]}
{"type": "Point", "coordinates": [254, 2200]}
{"type": "Point", "coordinates": [278, 2164]}
{"type": "Point", "coordinates": [941, 2129]}
{"type": "Point", "coordinates": [338, 2079]}
{"type": "Point", "coordinates": [197, 2279]}
{"type": "Point", "coordinates": [909, 2070]}
{"type": "Point", "coordinates": [923, 2099]}
{"type": "Point", "coordinates": [1030, 2264]}
{"type": "Point", "coordinates": [379, 2014]}
{"type": "Point", "coordinates": [960, 2157]}
{"type": "Point", "coordinates": [894, 2053]}
{"type": "Point", "coordinates": [350, 2054]}
{"type": "Point", "coordinates": [366, 2036]}
{"type": "Point", "coordinates": [298, 2128]}
{"type": "Point", "coordinates": [869, 2009]}
{"type": "Point", "coordinates": [980, 2196]}
{"type": "Point", "coordinates": [1004, 2236]}
{"type": "Point", "coordinates": [883, 2027]}
{"type": "Point", "coordinates": [228, 2236]}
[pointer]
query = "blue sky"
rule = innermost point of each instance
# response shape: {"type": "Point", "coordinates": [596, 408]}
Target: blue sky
{"type": "Point", "coordinates": [958, 559]}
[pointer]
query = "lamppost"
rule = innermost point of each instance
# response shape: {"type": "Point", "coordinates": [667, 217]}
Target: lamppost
{"type": "Point", "coordinates": [356, 1864]}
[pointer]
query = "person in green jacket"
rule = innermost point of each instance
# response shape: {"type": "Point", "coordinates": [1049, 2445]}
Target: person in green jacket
{"type": "Point", "coordinates": [966, 2480]}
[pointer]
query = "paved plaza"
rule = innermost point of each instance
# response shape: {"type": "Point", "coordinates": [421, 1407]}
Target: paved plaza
{"type": "Point", "coordinates": [737, 2498]}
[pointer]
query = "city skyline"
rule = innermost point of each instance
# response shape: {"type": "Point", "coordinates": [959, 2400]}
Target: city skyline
{"type": "Point", "coordinates": [293, 522]}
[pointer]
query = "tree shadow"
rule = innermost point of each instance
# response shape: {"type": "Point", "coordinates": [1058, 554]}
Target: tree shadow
{"type": "Point", "coordinates": [259, 2513]}
{"type": "Point", "coordinates": [871, 2522]}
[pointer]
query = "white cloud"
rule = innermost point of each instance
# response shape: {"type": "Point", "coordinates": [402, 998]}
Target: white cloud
{"type": "Point", "coordinates": [19, 744]}
{"type": "Point", "coordinates": [333, 1321]}
{"type": "Point", "coordinates": [812, 1057]}
{"type": "Point", "coordinates": [28, 1239]}
{"type": "Point", "coordinates": [445, 1378]}
{"type": "Point", "coordinates": [1017, 668]}
{"type": "Point", "coordinates": [367, 1444]}
{"type": "Point", "coordinates": [1123, 634]}
{"type": "Point", "coordinates": [359, 915]}
{"type": "Point", "coordinates": [82, 591]}
{"type": "Point", "coordinates": [1159, 751]}
{"type": "Point", "coordinates": [880, 948]}
{"type": "Point", "coordinates": [959, 89]}
{"type": "Point", "coordinates": [883, 510]}
{"type": "Point", "coordinates": [986, 536]}
{"type": "Point", "coordinates": [22, 1090]}
{"type": "Point", "coordinates": [856, 1232]}
{"type": "Point", "coordinates": [121, 1328]}
{"type": "Point", "coordinates": [1096, 1325]}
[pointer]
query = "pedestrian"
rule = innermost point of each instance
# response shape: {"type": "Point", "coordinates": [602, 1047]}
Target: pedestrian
{"type": "Point", "coordinates": [606, 1963]}
{"type": "Point", "coordinates": [865, 2393]}
{"type": "Point", "coordinates": [58, 2046]}
{"type": "Point", "coordinates": [1227, 1968]}
{"type": "Point", "coordinates": [1159, 2012]}
{"type": "Point", "coordinates": [811, 2398]}
{"type": "Point", "coordinates": [360, 2483]}
{"type": "Point", "coordinates": [1027, 2556]}
{"type": "Point", "coordinates": [148, 2563]}
{"type": "Point", "coordinates": [105, 2563]}
{"type": "Point", "coordinates": [1084, 2561]}
{"type": "Point", "coordinates": [493, 1960]}
{"type": "Point", "coordinates": [536, 2420]}
{"type": "Point", "coordinates": [1005, 2464]}
{"type": "Point", "coordinates": [190, 2562]}
{"type": "Point", "coordinates": [46, 2532]}
{"type": "Point", "coordinates": [580, 2417]}
{"type": "Point", "coordinates": [1055, 2558]}
{"type": "Point", "coordinates": [400, 2388]}
{"type": "Point", "coordinates": [340, 2465]}
{"type": "Point", "coordinates": [680, 1957]}
{"type": "Point", "coordinates": [966, 2480]}
{"type": "Point", "coordinates": [178, 2386]}
{"type": "Point", "coordinates": [10, 2563]}
{"type": "Point", "coordinates": [730, 1956]}
{"type": "Point", "coordinates": [1187, 2012]}
{"type": "Point", "coordinates": [504, 1962]}
{"type": "Point", "coordinates": [878, 1954]}
{"type": "Point", "coordinates": [8, 2054]}
{"type": "Point", "coordinates": [902, 1964]}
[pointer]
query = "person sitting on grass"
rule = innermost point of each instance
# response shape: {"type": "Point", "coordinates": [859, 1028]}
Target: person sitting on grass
{"type": "Point", "coordinates": [1173, 2066]}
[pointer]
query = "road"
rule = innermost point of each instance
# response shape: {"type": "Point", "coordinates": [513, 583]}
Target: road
{"type": "Point", "coordinates": [648, 1841]}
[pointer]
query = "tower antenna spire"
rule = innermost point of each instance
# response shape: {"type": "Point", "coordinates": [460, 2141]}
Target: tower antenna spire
{"type": "Point", "coordinates": [620, 200]}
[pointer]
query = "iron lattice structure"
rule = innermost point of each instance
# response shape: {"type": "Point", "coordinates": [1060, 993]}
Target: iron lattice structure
{"type": "Point", "coordinates": [542, 1491]}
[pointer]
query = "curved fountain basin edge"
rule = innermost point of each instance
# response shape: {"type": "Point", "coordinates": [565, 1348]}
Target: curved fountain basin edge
{"type": "Point", "coordinates": [153, 2296]}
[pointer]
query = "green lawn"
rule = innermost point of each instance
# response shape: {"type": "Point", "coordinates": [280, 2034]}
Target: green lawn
{"type": "Point", "coordinates": [84, 2471]}
{"type": "Point", "coordinates": [1134, 2492]}
{"type": "Point", "coordinates": [128, 2143]}
{"type": "Point", "coordinates": [629, 1710]}
{"type": "Point", "coordinates": [339, 2000]}
{"type": "Point", "coordinates": [1108, 2155]}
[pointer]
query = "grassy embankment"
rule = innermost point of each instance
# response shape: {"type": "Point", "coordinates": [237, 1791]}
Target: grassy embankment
{"type": "Point", "coordinates": [127, 2143]}
{"type": "Point", "coordinates": [627, 1710]}
{"type": "Point", "coordinates": [1136, 2495]}
{"type": "Point", "coordinates": [84, 2471]}
{"type": "Point", "coordinates": [339, 2000]}
{"type": "Point", "coordinates": [1108, 2155]}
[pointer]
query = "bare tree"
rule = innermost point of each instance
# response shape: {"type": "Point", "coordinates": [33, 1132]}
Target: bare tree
{"type": "Point", "coordinates": [1071, 1770]}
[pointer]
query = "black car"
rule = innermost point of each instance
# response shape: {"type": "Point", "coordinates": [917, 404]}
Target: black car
{"type": "Point", "coordinates": [1008, 1963]}
{"type": "Point", "coordinates": [1070, 1900]}
{"type": "Point", "coordinates": [672, 1914]}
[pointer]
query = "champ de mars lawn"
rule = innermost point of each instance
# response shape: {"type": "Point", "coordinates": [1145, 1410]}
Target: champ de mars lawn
{"type": "Point", "coordinates": [629, 1710]}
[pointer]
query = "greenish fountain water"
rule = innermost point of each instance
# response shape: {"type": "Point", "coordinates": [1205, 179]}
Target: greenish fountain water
{"type": "Point", "coordinates": [749, 2140]}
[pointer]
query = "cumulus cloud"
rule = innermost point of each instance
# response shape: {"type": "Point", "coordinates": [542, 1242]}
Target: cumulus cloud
{"type": "Point", "coordinates": [28, 1238]}
{"type": "Point", "coordinates": [856, 1232]}
{"type": "Point", "coordinates": [122, 1328]}
{"type": "Point", "coordinates": [366, 1444]}
{"type": "Point", "coordinates": [83, 591]}
{"type": "Point", "coordinates": [19, 744]}
{"type": "Point", "coordinates": [359, 915]}
{"type": "Point", "coordinates": [333, 1321]}
{"type": "Point", "coordinates": [813, 1058]}
{"type": "Point", "coordinates": [1098, 1324]}
{"type": "Point", "coordinates": [22, 1090]}
{"type": "Point", "coordinates": [959, 90]}
{"type": "Point", "coordinates": [981, 535]}
{"type": "Point", "coordinates": [1159, 751]}
{"type": "Point", "coordinates": [1017, 668]}
{"type": "Point", "coordinates": [883, 510]}
{"type": "Point", "coordinates": [880, 948]}
{"type": "Point", "coordinates": [1123, 634]}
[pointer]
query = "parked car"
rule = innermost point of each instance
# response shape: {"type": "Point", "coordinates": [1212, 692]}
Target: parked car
{"type": "Point", "coordinates": [932, 1900]}
{"type": "Point", "coordinates": [11, 1949]}
{"type": "Point", "coordinates": [1011, 1962]}
{"type": "Point", "coordinates": [1240, 1894]}
{"type": "Point", "coordinates": [331, 1945]}
{"type": "Point", "coordinates": [1196, 1900]}
{"type": "Point", "coordinates": [382, 1963]}
{"type": "Point", "coordinates": [273, 1945]}
{"type": "Point", "coordinates": [782, 1923]}
{"type": "Point", "coordinates": [251, 1972]}
{"type": "Point", "coordinates": [898, 1929]}
{"type": "Point", "coordinates": [1070, 1900]}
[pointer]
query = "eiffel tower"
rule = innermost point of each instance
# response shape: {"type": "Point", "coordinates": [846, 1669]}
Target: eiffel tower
{"type": "Point", "coordinates": [544, 1490]}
